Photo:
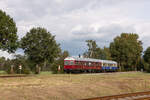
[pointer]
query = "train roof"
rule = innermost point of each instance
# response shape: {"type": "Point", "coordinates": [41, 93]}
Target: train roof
{"type": "Point", "coordinates": [90, 59]}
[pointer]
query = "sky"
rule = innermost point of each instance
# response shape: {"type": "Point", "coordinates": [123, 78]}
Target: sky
{"type": "Point", "coordinates": [74, 21]}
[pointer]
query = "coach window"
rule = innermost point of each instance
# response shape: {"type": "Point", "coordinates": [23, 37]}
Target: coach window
{"type": "Point", "coordinates": [79, 63]}
{"type": "Point", "coordinates": [101, 64]}
{"type": "Point", "coordinates": [71, 63]}
{"type": "Point", "coordinates": [87, 64]}
{"type": "Point", "coordinates": [90, 64]}
{"type": "Point", "coordinates": [111, 65]}
{"type": "Point", "coordinates": [104, 64]}
{"type": "Point", "coordinates": [84, 63]}
{"type": "Point", "coordinates": [97, 64]}
{"type": "Point", "coordinates": [76, 63]}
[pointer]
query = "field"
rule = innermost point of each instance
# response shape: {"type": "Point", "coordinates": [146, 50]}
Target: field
{"type": "Point", "coordinates": [72, 86]}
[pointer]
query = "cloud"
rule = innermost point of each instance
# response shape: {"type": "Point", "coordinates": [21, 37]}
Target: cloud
{"type": "Point", "coordinates": [102, 33]}
{"type": "Point", "coordinates": [74, 21]}
{"type": "Point", "coordinates": [6, 54]}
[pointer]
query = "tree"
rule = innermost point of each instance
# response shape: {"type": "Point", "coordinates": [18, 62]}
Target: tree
{"type": "Point", "coordinates": [40, 46]}
{"type": "Point", "coordinates": [59, 62]}
{"type": "Point", "coordinates": [146, 57]}
{"type": "Point", "coordinates": [126, 50]}
{"type": "Point", "coordinates": [106, 53]}
{"type": "Point", "coordinates": [19, 60]}
{"type": "Point", "coordinates": [96, 52]}
{"type": "Point", "coordinates": [8, 33]}
{"type": "Point", "coordinates": [92, 49]}
{"type": "Point", "coordinates": [2, 63]}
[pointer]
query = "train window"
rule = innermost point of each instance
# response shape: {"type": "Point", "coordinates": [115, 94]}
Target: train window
{"type": "Point", "coordinates": [79, 63]}
{"type": "Point", "coordinates": [66, 62]}
{"type": "Point", "coordinates": [82, 63]}
{"type": "Point", "coordinates": [100, 64]}
{"type": "Point", "coordinates": [97, 64]}
{"type": "Point", "coordinates": [90, 64]}
{"type": "Point", "coordinates": [104, 64]}
{"type": "Point", "coordinates": [87, 64]}
{"type": "Point", "coordinates": [76, 63]}
{"type": "Point", "coordinates": [71, 63]}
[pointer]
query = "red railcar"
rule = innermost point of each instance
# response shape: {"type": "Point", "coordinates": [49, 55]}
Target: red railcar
{"type": "Point", "coordinates": [72, 64]}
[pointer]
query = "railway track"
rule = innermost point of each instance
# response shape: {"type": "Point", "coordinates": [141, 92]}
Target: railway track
{"type": "Point", "coordinates": [129, 96]}
{"type": "Point", "coordinates": [11, 76]}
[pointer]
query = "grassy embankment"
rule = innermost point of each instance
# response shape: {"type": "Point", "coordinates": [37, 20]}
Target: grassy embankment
{"type": "Point", "coordinates": [72, 87]}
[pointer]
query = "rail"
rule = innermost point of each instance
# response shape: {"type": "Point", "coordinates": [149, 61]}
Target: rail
{"type": "Point", "coordinates": [129, 96]}
{"type": "Point", "coordinates": [11, 76]}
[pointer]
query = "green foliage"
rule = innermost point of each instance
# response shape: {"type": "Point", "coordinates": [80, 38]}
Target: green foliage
{"type": "Point", "coordinates": [8, 33]}
{"type": "Point", "coordinates": [126, 50]}
{"type": "Point", "coordinates": [92, 49]}
{"type": "Point", "coordinates": [95, 52]}
{"type": "Point", "coordinates": [107, 53]}
{"type": "Point", "coordinates": [2, 63]}
{"type": "Point", "coordinates": [12, 66]}
{"type": "Point", "coordinates": [40, 46]}
{"type": "Point", "coordinates": [59, 62]}
{"type": "Point", "coordinates": [146, 57]}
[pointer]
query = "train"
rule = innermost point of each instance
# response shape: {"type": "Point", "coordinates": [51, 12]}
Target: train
{"type": "Point", "coordinates": [77, 64]}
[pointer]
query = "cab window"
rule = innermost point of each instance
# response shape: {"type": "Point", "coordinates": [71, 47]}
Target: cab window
{"type": "Point", "coordinates": [66, 62]}
{"type": "Point", "coordinates": [71, 63]}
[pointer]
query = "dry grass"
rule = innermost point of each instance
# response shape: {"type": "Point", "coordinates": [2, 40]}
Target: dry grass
{"type": "Point", "coordinates": [72, 87]}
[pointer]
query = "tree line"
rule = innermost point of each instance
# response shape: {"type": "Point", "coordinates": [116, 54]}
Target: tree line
{"type": "Point", "coordinates": [42, 52]}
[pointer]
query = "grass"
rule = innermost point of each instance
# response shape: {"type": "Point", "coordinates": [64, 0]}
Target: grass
{"type": "Point", "coordinates": [47, 86]}
{"type": "Point", "coordinates": [2, 72]}
{"type": "Point", "coordinates": [46, 73]}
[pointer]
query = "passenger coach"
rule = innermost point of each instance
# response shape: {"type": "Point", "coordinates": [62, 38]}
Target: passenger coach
{"type": "Point", "coordinates": [74, 64]}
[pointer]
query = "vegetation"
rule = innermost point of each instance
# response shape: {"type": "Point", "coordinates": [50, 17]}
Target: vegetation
{"type": "Point", "coordinates": [40, 47]}
{"type": "Point", "coordinates": [126, 50]}
{"type": "Point", "coordinates": [48, 86]}
{"type": "Point", "coordinates": [96, 52]}
{"type": "Point", "coordinates": [57, 66]}
{"type": "Point", "coordinates": [147, 59]}
{"type": "Point", "coordinates": [42, 52]}
{"type": "Point", "coordinates": [8, 33]}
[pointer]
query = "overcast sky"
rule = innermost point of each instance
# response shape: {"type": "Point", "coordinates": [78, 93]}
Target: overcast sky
{"type": "Point", "coordinates": [74, 21]}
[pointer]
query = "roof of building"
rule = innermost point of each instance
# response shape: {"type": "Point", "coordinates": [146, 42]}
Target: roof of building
{"type": "Point", "coordinates": [90, 59]}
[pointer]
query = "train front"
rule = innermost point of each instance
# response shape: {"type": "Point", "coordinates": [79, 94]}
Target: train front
{"type": "Point", "coordinates": [69, 64]}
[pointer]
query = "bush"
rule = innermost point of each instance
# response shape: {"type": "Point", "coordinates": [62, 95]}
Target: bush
{"type": "Point", "coordinates": [12, 67]}
{"type": "Point", "coordinates": [55, 68]}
